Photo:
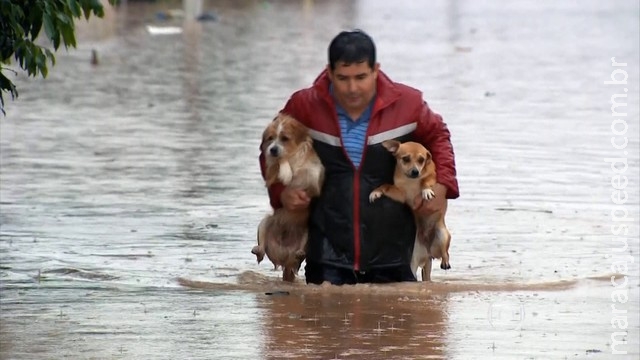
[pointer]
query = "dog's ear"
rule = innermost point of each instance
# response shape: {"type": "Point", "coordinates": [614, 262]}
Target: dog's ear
{"type": "Point", "coordinates": [263, 143]}
{"type": "Point", "coordinates": [428, 157]}
{"type": "Point", "coordinates": [391, 145]}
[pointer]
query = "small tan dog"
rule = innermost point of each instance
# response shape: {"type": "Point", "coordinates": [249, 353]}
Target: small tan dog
{"type": "Point", "coordinates": [291, 160]}
{"type": "Point", "coordinates": [415, 175]}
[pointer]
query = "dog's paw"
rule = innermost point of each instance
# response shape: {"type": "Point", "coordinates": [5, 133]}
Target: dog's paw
{"type": "Point", "coordinates": [285, 175]}
{"type": "Point", "coordinates": [428, 194]}
{"type": "Point", "coordinates": [375, 195]}
{"type": "Point", "coordinates": [258, 251]}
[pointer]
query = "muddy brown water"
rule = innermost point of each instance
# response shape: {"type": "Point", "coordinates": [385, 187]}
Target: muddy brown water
{"type": "Point", "coordinates": [130, 193]}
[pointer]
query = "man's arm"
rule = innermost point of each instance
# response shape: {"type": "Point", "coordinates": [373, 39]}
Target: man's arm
{"type": "Point", "coordinates": [433, 133]}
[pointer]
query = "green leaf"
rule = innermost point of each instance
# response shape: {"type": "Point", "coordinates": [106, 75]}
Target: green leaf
{"type": "Point", "coordinates": [6, 85]}
{"type": "Point", "coordinates": [68, 36]}
{"type": "Point", "coordinates": [30, 56]}
{"type": "Point", "coordinates": [21, 23]}
{"type": "Point", "coordinates": [41, 61]}
{"type": "Point", "coordinates": [89, 6]}
{"type": "Point", "coordinates": [49, 27]}
{"type": "Point", "coordinates": [36, 24]}
{"type": "Point", "coordinates": [64, 18]}
{"type": "Point", "coordinates": [86, 8]}
{"type": "Point", "coordinates": [50, 56]}
{"type": "Point", "coordinates": [74, 7]}
{"type": "Point", "coordinates": [98, 9]}
{"type": "Point", "coordinates": [19, 52]}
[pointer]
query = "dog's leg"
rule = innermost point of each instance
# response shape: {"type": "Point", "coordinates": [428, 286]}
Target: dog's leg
{"type": "Point", "coordinates": [427, 186]}
{"type": "Point", "coordinates": [312, 178]}
{"type": "Point", "coordinates": [377, 193]}
{"type": "Point", "coordinates": [285, 173]}
{"type": "Point", "coordinates": [288, 274]}
{"type": "Point", "coordinates": [441, 245]}
{"type": "Point", "coordinates": [301, 253]}
{"type": "Point", "coordinates": [315, 178]}
{"type": "Point", "coordinates": [428, 194]}
{"type": "Point", "coordinates": [426, 269]}
{"type": "Point", "coordinates": [421, 257]}
{"type": "Point", "coordinates": [391, 191]}
{"type": "Point", "coordinates": [416, 256]}
{"type": "Point", "coordinates": [259, 249]}
{"type": "Point", "coordinates": [272, 171]}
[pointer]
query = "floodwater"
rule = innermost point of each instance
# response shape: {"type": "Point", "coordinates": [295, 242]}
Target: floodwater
{"type": "Point", "coordinates": [130, 191]}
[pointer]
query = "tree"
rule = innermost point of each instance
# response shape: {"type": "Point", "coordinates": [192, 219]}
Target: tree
{"type": "Point", "coordinates": [20, 25]}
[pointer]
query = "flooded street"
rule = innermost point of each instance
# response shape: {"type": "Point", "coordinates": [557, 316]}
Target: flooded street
{"type": "Point", "coordinates": [130, 190]}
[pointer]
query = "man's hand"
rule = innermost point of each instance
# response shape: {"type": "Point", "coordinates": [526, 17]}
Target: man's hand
{"type": "Point", "coordinates": [294, 199]}
{"type": "Point", "coordinates": [427, 207]}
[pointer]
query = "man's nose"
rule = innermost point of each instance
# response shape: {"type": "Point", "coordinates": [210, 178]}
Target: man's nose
{"type": "Point", "coordinates": [352, 85]}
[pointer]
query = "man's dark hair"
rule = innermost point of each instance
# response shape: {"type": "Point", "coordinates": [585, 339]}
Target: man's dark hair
{"type": "Point", "coordinates": [352, 47]}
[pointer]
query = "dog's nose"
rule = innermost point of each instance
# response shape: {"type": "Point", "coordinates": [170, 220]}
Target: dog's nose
{"type": "Point", "coordinates": [414, 173]}
{"type": "Point", "coordinates": [274, 151]}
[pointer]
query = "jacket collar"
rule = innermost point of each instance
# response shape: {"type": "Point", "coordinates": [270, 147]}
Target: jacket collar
{"type": "Point", "coordinates": [386, 90]}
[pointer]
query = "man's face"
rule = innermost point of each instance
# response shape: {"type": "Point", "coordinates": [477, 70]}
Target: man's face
{"type": "Point", "coordinates": [354, 85]}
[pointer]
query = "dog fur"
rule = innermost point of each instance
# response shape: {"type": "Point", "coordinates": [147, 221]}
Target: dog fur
{"type": "Point", "coordinates": [291, 160]}
{"type": "Point", "coordinates": [415, 175]}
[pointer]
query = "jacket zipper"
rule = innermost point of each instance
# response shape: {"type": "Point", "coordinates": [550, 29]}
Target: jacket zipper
{"type": "Point", "coordinates": [356, 195]}
{"type": "Point", "coordinates": [356, 216]}
{"type": "Point", "coordinates": [356, 184]}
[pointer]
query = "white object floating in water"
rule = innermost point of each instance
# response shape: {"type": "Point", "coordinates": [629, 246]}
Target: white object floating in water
{"type": "Point", "coordinates": [164, 30]}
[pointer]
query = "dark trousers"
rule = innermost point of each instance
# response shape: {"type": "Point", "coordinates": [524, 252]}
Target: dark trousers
{"type": "Point", "coordinates": [318, 273]}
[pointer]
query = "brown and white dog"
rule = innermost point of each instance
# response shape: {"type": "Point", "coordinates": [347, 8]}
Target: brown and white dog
{"type": "Point", "coordinates": [414, 176]}
{"type": "Point", "coordinates": [291, 160]}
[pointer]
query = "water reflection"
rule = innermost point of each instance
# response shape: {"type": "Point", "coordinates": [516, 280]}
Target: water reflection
{"type": "Point", "coordinates": [343, 326]}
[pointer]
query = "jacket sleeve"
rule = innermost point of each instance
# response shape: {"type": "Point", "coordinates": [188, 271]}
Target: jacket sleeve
{"type": "Point", "coordinates": [433, 133]}
{"type": "Point", "coordinates": [275, 190]}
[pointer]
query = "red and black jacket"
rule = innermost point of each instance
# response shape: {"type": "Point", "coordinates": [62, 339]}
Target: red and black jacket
{"type": "Point", "coordinates": [345, 230]}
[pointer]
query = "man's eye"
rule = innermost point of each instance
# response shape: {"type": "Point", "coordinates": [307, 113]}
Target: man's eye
{"type": "Point", "coordinates": [406, 159]}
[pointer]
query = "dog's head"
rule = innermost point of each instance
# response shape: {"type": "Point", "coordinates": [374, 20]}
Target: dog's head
{"type": "Point", "coordinates": [283, 136]}
{"type": "Point", "coordinates": [411, 157]}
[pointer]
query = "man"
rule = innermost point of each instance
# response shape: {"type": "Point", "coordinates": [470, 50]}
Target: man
{"type": "Point", "coordinates": [350, 110]}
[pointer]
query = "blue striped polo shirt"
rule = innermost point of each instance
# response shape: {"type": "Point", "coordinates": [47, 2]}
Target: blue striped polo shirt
{"type": "Point", "coordinates": [354, 133]}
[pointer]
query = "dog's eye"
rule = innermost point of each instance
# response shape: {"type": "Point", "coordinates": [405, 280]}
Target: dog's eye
{"type": "Point", "coordinates": [284, 138]}
{"type": "Point", "coordinates": [406, 159]}
{"type": "Point", "coordinates": [270, 138]}
{"type": "Point", "coordinates": [420, 160]}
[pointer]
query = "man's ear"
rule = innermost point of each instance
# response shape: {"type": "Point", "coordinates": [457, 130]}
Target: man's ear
{"type": "Point", "coordinates": [376, 69]}
{"type": "Point", "coordinates": [391, 145]}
